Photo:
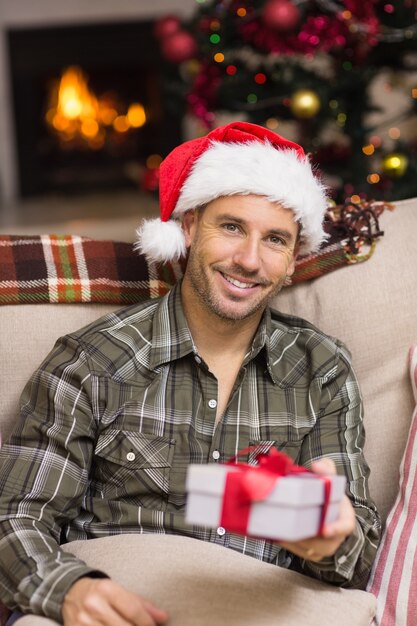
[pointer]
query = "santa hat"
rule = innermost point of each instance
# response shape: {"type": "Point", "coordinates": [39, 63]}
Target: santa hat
{"type": "Point", "coordinates": [239, 158]}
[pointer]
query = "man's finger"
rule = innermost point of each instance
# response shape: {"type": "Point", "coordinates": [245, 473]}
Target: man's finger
{"type": "Point", "coordinates": [159, 615]}
{"type": "Point", "coordinates": [324, 466]}
{"type": "Point", "coordinates": [102, 615]}
{"type": "Point", "coordinates": [134, 609]}
{"type": "Point", "coordinates": [345, 523]}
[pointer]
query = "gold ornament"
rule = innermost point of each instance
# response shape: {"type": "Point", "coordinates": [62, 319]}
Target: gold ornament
{"type": "Point", "coordinates": [395, 164]}
{"type": "Point", "coordinates": [305, 103]}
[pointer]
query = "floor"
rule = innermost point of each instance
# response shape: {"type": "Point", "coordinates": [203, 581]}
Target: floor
{"type": "Point", "coordinates": [114, 215]}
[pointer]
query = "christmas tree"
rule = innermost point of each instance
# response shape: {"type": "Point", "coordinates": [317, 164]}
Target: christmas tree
{"type": "Point", "coordinates": [337, 76]}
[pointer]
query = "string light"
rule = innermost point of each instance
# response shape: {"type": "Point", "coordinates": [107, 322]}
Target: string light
{"type": "Point", "coordinates": [272, 123]}
{"type": "Point", "coordinates": [369, 149]}
{"type": "Point", "coordinates": [231, 70]}
{"type": "Point", "coordinates": [219, 57]}
{"type": "Point", "coordinates": [153, 161]}
{"type": "Point", "coordinates": [241, 12]}
{"type": "Point", "coordinates": [394, 133]}
{"type": "Point", "coordinates": [376, 141]}
{"type": "Point", "coordinates": [341, 119]}
{"type": "Point", "coordinates": [260, 78]}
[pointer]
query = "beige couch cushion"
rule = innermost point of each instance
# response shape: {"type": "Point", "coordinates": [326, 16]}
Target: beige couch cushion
{"type": "Point", "coordinates": [28, 332]}
{"type": "Point", "coordinates": [201, 584]}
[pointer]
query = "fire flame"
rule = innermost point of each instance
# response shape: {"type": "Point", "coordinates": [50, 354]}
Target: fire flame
{"type": "Point", "coordinates": [75, 112]}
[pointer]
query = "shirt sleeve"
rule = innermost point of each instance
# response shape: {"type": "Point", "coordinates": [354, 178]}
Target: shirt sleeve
{"type": "Point", "coordinates": [44, 471]}
{"type": "Point", "coordinates": [339, 435]}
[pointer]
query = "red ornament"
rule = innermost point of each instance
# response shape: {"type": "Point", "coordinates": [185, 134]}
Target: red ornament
{"type": "Point", "coordinates": [281, 15]}
{"type": "Point", "coordinates": [166, 26]}
{"type": "Point", "coordinates": [179, 47]}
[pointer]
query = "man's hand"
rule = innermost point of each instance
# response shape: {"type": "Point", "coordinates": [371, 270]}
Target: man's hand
{"type": "Point", "coordinates": [333, 534]}
{"type": "Point", "coordinates": [103, 602]}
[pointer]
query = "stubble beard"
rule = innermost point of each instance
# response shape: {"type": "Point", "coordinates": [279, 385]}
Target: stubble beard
{"type": "Point", "coordinates": [200, 282]}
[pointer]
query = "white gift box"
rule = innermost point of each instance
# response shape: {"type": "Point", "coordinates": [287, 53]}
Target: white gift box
{"type": "Point", "coordinates": [291, 512]}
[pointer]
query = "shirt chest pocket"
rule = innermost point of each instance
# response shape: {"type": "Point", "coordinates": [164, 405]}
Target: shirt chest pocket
{"type": "Point", "coordinates": [133, 466]}
{"type": "Point", "coordinates": [291, 449]}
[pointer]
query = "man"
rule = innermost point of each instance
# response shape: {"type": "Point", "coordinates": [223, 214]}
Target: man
{"type": "Point", "coordinates": [115, 414]}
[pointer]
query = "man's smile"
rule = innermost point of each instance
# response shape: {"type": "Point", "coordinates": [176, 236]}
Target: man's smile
{"type": "Point", "coordinates": [239, 283]}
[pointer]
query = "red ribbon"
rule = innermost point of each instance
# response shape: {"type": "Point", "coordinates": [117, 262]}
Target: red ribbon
{"type": "Point", "coordinates": [255, 483]}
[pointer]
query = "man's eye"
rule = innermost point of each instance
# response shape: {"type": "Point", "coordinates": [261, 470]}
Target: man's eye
{"type": "Point", "coordinates": [231, 228]}
{"type": "Point", "coordinates": [276, 240]}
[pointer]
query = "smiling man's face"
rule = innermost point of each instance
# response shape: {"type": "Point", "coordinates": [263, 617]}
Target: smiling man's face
{"type": "Point", "coordinates": [241, 249]}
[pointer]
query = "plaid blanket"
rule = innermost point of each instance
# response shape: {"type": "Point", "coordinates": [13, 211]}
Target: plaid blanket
{"type": "Point", "coordinates": [70, 268]}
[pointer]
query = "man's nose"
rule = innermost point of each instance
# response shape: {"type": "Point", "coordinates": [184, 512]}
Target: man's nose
{"type": "Point", "coordinates": [247, 255]}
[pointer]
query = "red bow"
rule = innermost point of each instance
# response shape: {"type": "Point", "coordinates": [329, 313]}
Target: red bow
{"type": "Point", "coordinates": [254, 484]}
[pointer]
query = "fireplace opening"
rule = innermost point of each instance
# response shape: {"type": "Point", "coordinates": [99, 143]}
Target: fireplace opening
{"type": "Point", "coordinates": [79, 120]}
{"type": "Point", "coordinates": [89, 106]}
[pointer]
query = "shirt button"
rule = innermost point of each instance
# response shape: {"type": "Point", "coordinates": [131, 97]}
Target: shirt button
{"type": "Point", "coordinates": [212, 403]}
{"type": "Point", "coordinates": [197, 359]}
{"type": "Point", "coordinates": [221, 531]}
{"type": "Point", "coordinates": [131, 456]}
{"type": "Point", "coordinates": [216, 455]}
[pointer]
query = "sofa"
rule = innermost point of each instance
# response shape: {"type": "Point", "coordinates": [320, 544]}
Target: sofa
{"type": "Point", "coordinates": [372, 306]}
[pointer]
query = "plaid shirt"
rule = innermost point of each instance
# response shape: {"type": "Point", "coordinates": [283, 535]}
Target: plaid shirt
{"type": "Point", "coordinates": [114, 415]}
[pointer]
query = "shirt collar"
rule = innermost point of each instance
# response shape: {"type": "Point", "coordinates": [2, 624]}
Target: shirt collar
{"type": "Point", "coordinates": [261, 345]}
{"type": "Point", "coordinates": [260, 339]}
{"type": "Point", "coordinates": [171, 337]}
{"type": "Point", "coordinates": [172, 340]}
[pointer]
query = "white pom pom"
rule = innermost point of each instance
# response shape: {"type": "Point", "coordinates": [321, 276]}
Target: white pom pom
{"type": "Point", "coordinates": [161, 241]}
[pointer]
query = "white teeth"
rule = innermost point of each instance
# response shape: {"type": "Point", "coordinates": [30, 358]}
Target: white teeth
{"type": "Point", "coordinates": [237, 283]}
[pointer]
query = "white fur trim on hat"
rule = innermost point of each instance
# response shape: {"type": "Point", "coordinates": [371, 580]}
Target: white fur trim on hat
{"type": "Point", "coordinates": [258, 168]}
{"type": "Point", "coordinates": [161, 241]}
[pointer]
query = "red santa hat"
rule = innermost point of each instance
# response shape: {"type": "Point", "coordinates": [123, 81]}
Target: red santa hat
{"type": "Point", "coordinates": [240, 158]}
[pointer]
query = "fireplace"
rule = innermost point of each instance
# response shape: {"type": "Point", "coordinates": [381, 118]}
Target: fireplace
{"type": "Point", "coordinates": [115, 118]}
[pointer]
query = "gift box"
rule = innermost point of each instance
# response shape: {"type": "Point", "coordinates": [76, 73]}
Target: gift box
{"type": "Point", "coordinates": [275, 499]}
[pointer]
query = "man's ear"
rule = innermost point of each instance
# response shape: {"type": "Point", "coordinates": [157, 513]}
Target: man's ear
{"type": "Point", "coordinates": [189, 223]}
